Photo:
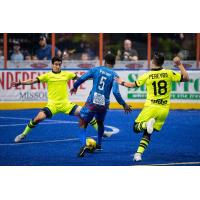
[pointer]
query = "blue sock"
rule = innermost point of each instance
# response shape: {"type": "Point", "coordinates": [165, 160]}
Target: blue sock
{"type": "Point", "coordinates": [100, 134]}
{"type": "Point", "coordinates": [83, 137]}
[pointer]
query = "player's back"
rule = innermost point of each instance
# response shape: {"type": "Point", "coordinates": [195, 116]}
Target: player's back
{"type": "Point", "coordinates": [158, 84]}
{"type": "Point", "coordinates": [103, 78]}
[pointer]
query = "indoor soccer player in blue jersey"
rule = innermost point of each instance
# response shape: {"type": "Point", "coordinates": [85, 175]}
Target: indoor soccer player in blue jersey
{"type": "Point", "coordinates": [99, 98]}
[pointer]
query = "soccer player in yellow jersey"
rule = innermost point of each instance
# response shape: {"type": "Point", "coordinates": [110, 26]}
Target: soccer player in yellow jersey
{"type": "Point", "coordinates": [158, 85]}
{"type": "Point", "coordinates": [58, 101]}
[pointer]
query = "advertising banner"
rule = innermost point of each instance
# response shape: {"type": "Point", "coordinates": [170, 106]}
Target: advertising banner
{"type": "Point", "coordinates": [185, 92]}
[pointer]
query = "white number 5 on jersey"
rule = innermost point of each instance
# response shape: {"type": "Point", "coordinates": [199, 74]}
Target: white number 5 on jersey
{"type": "Point", "coordinates": [102, 83]}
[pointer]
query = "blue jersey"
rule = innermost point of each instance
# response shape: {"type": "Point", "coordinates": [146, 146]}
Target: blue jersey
{"type": "Point", "coordinates": [103, 83]}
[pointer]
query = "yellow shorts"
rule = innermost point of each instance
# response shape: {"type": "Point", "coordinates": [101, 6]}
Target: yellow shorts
{"type": "Point", "coordinates": [157, 112]}
{"type": "Point", "coordinates": [55, 108]}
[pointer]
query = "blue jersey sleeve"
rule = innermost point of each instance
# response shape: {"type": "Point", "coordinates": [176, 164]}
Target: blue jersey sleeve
{"type": "Point", "coordinates": [83, 78]}
{"type": "Point", "coordinates": [117, 94]}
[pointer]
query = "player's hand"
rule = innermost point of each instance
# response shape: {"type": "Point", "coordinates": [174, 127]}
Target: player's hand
{"type": "Point", "coordinates": [177, 61]}
{"type": "Point", "coordinates": [127, 108]}
{"type": "Point", "coordinates": [119, 80]}
{"type": "Point", "coordinates": [15, 84]}
{"type": "Point", "coordinates": [73, 91]}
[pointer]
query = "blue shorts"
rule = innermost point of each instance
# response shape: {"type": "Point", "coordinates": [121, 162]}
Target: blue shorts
{"type": "Point", "coordinates": [87, 115]}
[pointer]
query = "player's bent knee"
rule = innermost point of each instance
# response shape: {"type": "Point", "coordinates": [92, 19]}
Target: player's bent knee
{"type": "Point", "coordinates": [135, 129]}
{"type": "Point", "coordinates": [40, 117]}
{"type": "Point", "coordinates": [47, 113]}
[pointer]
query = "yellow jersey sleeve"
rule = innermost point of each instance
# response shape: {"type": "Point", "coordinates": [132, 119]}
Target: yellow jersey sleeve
{"type": "Point", "coordinates": [43, 78]}
{"type": "Point", "coordinates": [142, 79]}
{"type": "Point", "coordinates": [70, 75]}
{"type": "Point", "coordinates": [176, 77]}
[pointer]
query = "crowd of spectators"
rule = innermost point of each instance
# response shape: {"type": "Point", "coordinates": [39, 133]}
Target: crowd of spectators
{"type": "Point", "coordinates": [85, 48]}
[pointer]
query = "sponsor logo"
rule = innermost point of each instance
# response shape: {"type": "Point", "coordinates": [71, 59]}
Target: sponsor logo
{"type": "Point", "coordinates": [159, 101]}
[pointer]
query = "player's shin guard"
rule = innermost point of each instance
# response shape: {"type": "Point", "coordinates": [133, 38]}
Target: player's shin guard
{"type": "Point", "coordinates": [100, 133]}
{"type": "Point", "coordinates": [28, 128]}
{"type": "Point", "coordinates": [139, 127]}
{"type": "Point", "coordinates": [93, 123]}
{"type": "Point", "coordinates": [143, 143]}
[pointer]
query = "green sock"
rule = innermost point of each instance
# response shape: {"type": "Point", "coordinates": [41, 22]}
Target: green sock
{"type": "Point", "coordinates": [28, 128]}
{"type": "Point", "coordinates": [93, 123]}
{"type": "Point", "coordinates": [143, 145]}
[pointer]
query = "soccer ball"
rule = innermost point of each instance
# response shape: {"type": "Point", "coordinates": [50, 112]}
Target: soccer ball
{"type": "Point", "coordinates": [91, 144]}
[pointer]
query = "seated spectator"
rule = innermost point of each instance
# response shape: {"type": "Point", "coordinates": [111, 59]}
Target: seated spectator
{"type": "Point", "coordinates": [44, 52]}
{"type": "Point", "coordinates": [16, 54]}
{"type": "Point", "coordinates": [84, 47]}
{"type": "Point", "coordinates": [85, 56]}
{"type": "Point", "coordinates": [65, 55]}
{"type": "Point", "coordinates": [34, 57]}
{"type": "Point", "coordinates": [27, 55]}
{"type": "Point", "coordinates": [128, 53]}
{"type": "Point", "coordinates": [1, 55]}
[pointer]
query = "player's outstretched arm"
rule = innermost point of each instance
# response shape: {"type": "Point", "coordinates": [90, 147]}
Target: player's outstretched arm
{"type": "Point", "coordinates": [118, 97]}
{"type": "Point", "coordinates": [177, 62]}
{"type": "Point", "coordinates": [126, 84]}
{"type": "Point", "coordinates": [26, 82]}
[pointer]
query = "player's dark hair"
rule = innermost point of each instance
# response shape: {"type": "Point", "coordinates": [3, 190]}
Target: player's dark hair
{"type": "Point", "coordinates": [56, 58]}
{"type": "Point", "coordinates": [110, 59]}
{"type": "Point", "coordinates": [158, 58]}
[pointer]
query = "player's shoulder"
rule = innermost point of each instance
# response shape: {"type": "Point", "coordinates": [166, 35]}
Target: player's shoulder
{"type": "Point", "coordinates": [66, 72]}
{"type": "Point", "coordinates": [170, 72]}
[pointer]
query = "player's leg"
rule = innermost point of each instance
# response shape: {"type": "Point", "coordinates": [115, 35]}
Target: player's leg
{"type": "Point", "coordinates": [85, 117]}
{"type": "Point", "coordinates": [100, 117]}
{"type": "Point", "coordinates": [157, 125]}
{"type": "Point", "coordinates": [145, 120]}
{"type": "Point", "coordinates": [32, 124]}
{"type": "Point", "coordinates": [144, 142]}
{"type": "Point", "coordinates": [75, 111]}
{"type": "Point", "coordinates": [46, 112]}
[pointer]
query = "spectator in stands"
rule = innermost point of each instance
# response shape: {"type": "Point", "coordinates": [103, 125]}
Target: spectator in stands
{"type": "Point", "coordinates": [85, 57]}
{"type": "Point", "coordinates": [34, 57]}
{"type": "Point", "coordinates": [85, 47]}
{"type": "Point", "coordinates": [128, 53]}
{"type": "Point", "coordinates": [65, 55]}
{"type": "Point", "coordinates": [1, 55]}
{"type": "Point", "coordinates": [16, 54]}
{"type": "Point", "coordinates": [27, 55]}
{"type": "Point", "coordinates": [44, 52]}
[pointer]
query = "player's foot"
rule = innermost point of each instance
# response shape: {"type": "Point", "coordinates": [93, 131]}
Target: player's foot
{"type": "Point", "coordinates": [19, 138]}
{"type": "Point", "coordinates": [150, 124]}
{"type": "Point", "coordinates": [98, 147]}
{"type": "Point", "coordinates": [137, 157]}
{"type": "Point", "coordinates": [107, 133]}
{"type": "Point", "coordinates": [82, 151]}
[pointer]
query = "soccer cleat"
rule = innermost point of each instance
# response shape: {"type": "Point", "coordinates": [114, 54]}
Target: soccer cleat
{"type": "Point", "coordinates": [107, 134]}
{"type": "Point", "coordinates": [82, 151]}
{"type": "Point", "coordinates": [98, 147]}
{"type": "Point", "coordinates": [149, 125]}
{"type": "Point", "coordinates": [19, 138]}
{"type": "Point", "coordinates": [137, 157]}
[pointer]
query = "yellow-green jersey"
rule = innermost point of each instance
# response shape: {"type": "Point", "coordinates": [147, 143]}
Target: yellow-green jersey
{"type": "Point", "coordinates": [57, 85]}
{"type": "Point", "coordinates": [158, 85]}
